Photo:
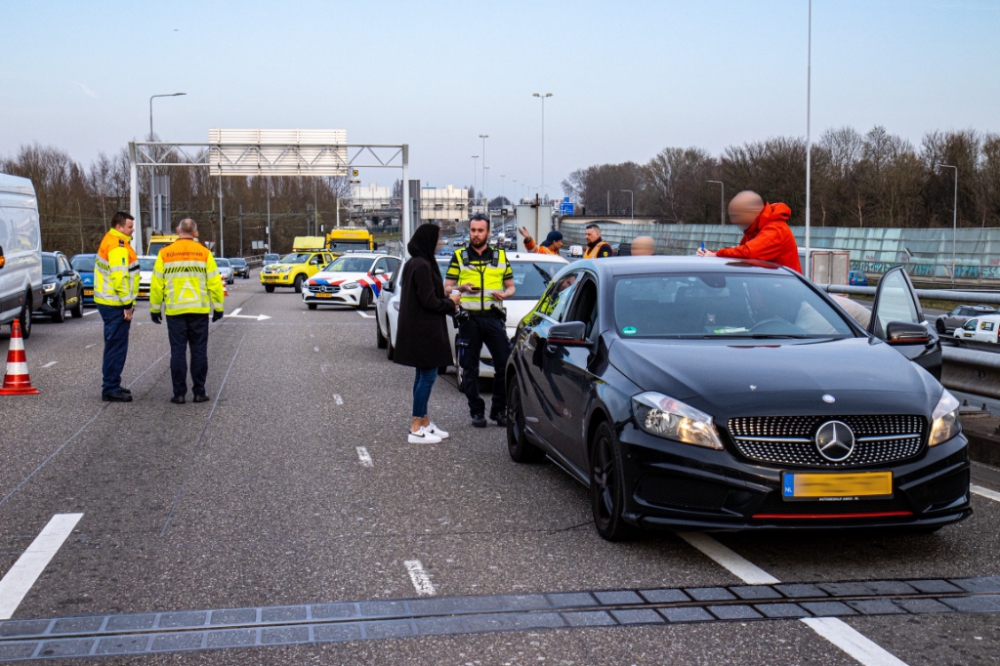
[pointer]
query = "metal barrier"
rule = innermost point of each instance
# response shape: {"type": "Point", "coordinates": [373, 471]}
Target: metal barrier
{"type": "Point", "coordinates": [987, 297]}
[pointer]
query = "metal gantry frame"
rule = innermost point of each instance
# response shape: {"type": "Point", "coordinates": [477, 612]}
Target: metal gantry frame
{"type": "Point", "coordinates": [267, 159]}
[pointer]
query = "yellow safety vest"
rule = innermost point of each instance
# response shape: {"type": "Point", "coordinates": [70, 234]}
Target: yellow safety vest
{"type": "Point", "coordinates": [487, 275]}
{"type": "Point", "coordinates": [186, 280]}
{"type": "Point", "coordinates": [116, 271]}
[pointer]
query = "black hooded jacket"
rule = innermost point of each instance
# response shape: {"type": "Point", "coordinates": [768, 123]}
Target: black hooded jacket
{"type": "Point", "coordinates": [422, 338]}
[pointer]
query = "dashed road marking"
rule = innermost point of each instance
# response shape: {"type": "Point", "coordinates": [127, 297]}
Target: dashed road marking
{"type": "Point", "coordinates": [421, 581]}
{"type": "Point", "coordinates": [365, 314]}
{"type": "Point", "coordinates": [985, 492]}
{"type": "Point", "coordinates": [92, 344]}
{"type": "Point", "coordinates": [365, 457]}
{"type": "Point", "coordinates": [17, 583]}
{"type": "Point", "coordinates": [337, 399]}
{"type": "Point", "coordinates": [316, 349]}
{"type": "Point", "coordinates": [89, 312]}
{"type": "Point", "coordinates": [740, 567]}
{"type": "Point", "coordinates": [49, 364]}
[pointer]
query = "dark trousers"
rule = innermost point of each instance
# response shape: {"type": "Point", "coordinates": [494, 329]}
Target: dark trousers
{"type": "Point", "coordinates": [472, 335]}
{"type": "Point", "coordinates": [115, 346]}
{"type": "Point", "coordinates": [188, 330]}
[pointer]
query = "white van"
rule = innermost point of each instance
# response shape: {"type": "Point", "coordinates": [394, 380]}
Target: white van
{"type": "Point", "coordinates": [20, 252]}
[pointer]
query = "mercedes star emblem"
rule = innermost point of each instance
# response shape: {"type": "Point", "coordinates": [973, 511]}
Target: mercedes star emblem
{"type": "Point", "coordinates": [835, 441]}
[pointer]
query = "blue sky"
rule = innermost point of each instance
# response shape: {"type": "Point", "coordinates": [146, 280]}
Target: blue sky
{"type": "Point", "coordinates": [628, 78]}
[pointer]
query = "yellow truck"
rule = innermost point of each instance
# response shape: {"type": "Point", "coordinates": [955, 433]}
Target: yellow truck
{"type": "Point", "coordinates": [346, 239]}
{"type": "Point", "coordinates": [158, 242]}
{"type": "Point", "coordinates": [308, 257]}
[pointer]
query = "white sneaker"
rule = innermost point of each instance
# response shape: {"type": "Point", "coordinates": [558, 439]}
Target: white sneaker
{"type": "Point", "coordinates": [437, 432]}
{"type": "Point", "coordinates": [422, 436]}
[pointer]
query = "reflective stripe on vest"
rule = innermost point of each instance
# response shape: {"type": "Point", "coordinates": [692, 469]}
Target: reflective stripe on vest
{"type": "Point", "coordinates": [487, 275]}
{"type": "Point", "coordinates": [116, 271]}
{"type": "Point", "coordinates": [183, 280]}
{"type": "Point", "coordinates": [592, 253]}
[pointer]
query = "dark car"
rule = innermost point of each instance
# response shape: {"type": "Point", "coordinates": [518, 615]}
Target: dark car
{"type": "Point", "coordinates": [62, 288]}
{"type": "Point", "coordinates": [271, 258]}
{"type": "Point", "coordinates": [857, 278]}
{"type": "Point", "coordinates": [240, 267]}
{"type": "Point", "coordinates": [716, 394]}
{"type": "Point", "coordinates": [84, 265]}
{"type": "Point", "coordinates": [947, 323]}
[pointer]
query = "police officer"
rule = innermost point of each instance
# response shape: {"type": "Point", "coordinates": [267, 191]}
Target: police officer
{"type": "Point", "coordinates": [186, 281]}
{"type": "Point", "coordinates": [116, 286]}
{"type": "Point", "coordinates": [485, 279]}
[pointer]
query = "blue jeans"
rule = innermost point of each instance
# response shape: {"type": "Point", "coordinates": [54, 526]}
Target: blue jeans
{"type": "Point", "coordinates": [115, 346]}
{"type": "Point", "coordinates": [422, 383]}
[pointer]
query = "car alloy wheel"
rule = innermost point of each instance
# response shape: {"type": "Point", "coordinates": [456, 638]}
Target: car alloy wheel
{"type": "Point", "coordinates": [520, 449]}
{"type": "Point", "coordinates": [365, 300]}
{"type": "Point", "coordinates": [298, 284]}
{"type": "Point", "coordinates": [59, 316]}
{"type": "Point", "coordinates": [940, 327]}
{"type": "Point", "coordinates": [391, 350]}
{"type": "Point", "coordinates": [607, 496]}
{"type": "Point", "coordinates": [26, 319]}
{"type": "Point", "coordinates": [77, 310]}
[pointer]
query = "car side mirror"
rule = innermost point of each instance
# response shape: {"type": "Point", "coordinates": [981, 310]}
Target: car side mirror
{"type": "Point", "coordinates": [379, 271]}
{"type": "Point", "coordinates": [906, 333]}
{"type": "Point", "coordinates": [568, 334]}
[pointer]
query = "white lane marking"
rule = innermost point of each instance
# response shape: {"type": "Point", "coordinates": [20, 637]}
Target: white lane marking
{"type": "Point", "coordinates": [365, 457]}
{"type": "Point", "coordinates": [740, 567]}
{"type": "Point", "coordinates": [49, 364]}
{"type": "Point", "coordinates": [985, 492]}
{"type": "Point", "coordinates": [421, 581]}
{"type": "Point", "coordinates": [365, 314]}
{"type": "Point", "coordinates": [18, 581]}
{"type": "Point", "coordinates": [323, 368]}
{"type": "Point", "coordinates": [236, 312]}
{"type": "Point", "coordinates": [93, 344]}
{"type": "Point", "coordinates": [316, 349]}
{"type": "Point", "coordinates": [89, 312]}
{"type": "Point", "coordinates": [852, 641]}
{"type": "Point", "coordinates": [337, 399]}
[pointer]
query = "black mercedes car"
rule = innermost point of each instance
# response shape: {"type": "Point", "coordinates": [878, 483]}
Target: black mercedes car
{"type": "Point", "coordinates": [62, 287]}
{"type": "Point", "coordinates": [711, 394]}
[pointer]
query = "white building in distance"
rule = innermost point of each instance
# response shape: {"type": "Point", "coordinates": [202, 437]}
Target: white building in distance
{"type": "Point", "coordinates": [444, 203]}
{"type": "Point", "coordinates": [370, 198]}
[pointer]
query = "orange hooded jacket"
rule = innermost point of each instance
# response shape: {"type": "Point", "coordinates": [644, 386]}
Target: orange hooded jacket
{"type": "Point", "coordinates": [768, 239]}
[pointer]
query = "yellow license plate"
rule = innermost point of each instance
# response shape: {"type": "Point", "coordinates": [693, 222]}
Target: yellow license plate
{"type": "Point", "coordinates": [88, 292]}
{"type": "Point", "coordinates": [323, 295]}
{"type": "Point", "coordinates": [869, 485]}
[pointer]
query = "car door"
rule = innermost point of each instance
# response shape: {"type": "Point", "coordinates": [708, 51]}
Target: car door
{"type": "Point", "coordinates": [896, 301]}
{"type": "Point", "coordinates": [968, 330]}
{"type": "Point", "coordinates": [71, 282]}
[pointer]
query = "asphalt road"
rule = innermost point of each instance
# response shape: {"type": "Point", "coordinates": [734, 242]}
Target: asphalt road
{"type": "Point", "coordinates": [260, 498]}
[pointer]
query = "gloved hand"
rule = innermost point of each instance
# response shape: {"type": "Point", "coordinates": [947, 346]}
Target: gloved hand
{"type": "Point", "coordinates": [156, 317]}
{"type": "Point", "coordinates": [217, 315]}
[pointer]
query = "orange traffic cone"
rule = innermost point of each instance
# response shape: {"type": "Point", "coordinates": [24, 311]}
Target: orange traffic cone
{"type": "Point", "coordinates": [16, 381]}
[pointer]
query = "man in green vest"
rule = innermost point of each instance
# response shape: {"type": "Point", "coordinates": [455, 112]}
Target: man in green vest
{"type": "Point", "coordinates": [485, 280]}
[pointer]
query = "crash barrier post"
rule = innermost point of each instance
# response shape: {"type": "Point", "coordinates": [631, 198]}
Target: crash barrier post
{"type": "Point", "coordinates": [16, 380]}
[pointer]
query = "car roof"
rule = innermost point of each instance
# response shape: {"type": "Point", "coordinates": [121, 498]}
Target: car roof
{"type": "Point", "coordinates": [678, 264]}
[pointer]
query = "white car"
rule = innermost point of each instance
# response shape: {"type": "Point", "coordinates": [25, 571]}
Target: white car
{"type": "Point", "coordinates": [981, 329]}
{"type": "Point", "coordinates": [354, 279]}
{"type": "Point", "coordinates": [226, 270]}
{"type": "Point", "coordinates": [532, 273]}
{"type": "Point", "coordinates": [146, 263]}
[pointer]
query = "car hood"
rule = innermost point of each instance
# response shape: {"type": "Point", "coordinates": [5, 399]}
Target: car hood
{"type": "Point", "coordinates": [336, 278]}
{"type": "Point", "coordinates": [744, 378]}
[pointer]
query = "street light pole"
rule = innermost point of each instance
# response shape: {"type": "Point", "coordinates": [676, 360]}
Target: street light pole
{"type": "Point", "coordinates": [809, 141]}
{"type": "Point", "coordinates": [632, 198]}
{"type": "Point", "coordinates": [474, 176]}
{"type": "Point", "coordinates": [722, 201]}
{"type": "Point", "coordinates": [954, 220]}
{"type": "Point", "coordinates": [486, 201]}
{"type": "Point", "coordinates": [179, 94]}
{"type": "Point", "coordinates": [542, 97]}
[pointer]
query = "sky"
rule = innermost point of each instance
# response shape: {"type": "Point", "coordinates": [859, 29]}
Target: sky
{"type": "Point", "coordinates": [628, 78]}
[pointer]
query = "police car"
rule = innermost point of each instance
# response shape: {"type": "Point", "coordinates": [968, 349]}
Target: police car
{"type": "Point", "coordinates": [354, 279]}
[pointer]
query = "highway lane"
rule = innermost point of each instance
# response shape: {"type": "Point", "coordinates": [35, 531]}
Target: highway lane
{"type": "Point", "coordinates": [258, 498]}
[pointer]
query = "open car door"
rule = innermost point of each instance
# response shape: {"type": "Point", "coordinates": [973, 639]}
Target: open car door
{"type": "Point", "coordinates": [898, 319]}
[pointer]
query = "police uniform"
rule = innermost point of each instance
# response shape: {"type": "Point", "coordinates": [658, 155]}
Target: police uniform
{"type": "Point", "coordinates": [116, 286]}
{"type": "Point", "coordinates": [485, 325]}
{"type": "Point", "coordinates": [187, 285]}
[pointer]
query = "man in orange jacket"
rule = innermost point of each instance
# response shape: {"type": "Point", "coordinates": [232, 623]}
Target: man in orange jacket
{"type": "Point", "coordinates": [766, 236]}
{"type": "Point", "coordinates": [551, 245]}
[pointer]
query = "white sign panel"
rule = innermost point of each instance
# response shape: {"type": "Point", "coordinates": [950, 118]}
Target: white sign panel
{"type": "Point", "coordinates": [257, 152]}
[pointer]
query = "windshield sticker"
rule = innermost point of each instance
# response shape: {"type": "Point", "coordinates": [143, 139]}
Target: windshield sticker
{"type": "Point", "coordinates": [730, 330]}
{"type": "Point", "coordinates": [629, 330]}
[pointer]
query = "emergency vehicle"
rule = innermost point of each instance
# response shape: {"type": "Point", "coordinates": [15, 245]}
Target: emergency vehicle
{"type": "Point", "coordinates": [307, 258]}
{"type": "Point", "coordinates": [354, 279]}
{"type": "Point", "coordinates": [350, 239]}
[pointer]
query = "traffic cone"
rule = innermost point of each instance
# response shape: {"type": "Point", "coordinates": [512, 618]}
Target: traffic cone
{"type": "Point", "coordinates": [16, 381]}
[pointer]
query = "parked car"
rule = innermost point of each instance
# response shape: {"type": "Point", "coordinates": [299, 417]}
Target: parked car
{"type": "Point", "coordinates": [271, 258]}
{"type": "Point", "coordinates": [387, 308]}
{"type": "Point", "coordinates": [857, 278]}
{"type": "Point", "coordinates": [980, 329]}
{"type": "Point", "coordinates": [146, 264]}
{"type": "Point", "coordinates": [226, 270]}
{"type": "Point", "coordinates": [708, 394]}
{"type": "Point", "coordinates": [20, 252]}
{"type": "Point", "coordinates": [84, 265]}
{"type": "Point", "coordinates": [947, 323]}
{"type": "Point", "coordinates": [62, 288]}
{"type": "Point", "coordinates": [240, 267]}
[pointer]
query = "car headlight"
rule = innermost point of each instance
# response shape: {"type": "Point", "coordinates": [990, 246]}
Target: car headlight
{"type": "Point", "coordinates": [665, 417]}
{"type": "Point", "coordinates": [349, 285]}
{"type": "Point", "coordinates": [945, 422]}
{"type": "Point", "coordinates": [49, 288]}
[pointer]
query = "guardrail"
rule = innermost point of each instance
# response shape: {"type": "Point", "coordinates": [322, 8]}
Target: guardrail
{"type": "Point", "coordinates": [988, 297]}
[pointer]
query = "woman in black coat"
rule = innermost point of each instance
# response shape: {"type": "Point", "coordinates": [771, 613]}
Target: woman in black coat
{"type": "Point", "coordinates": [422, 338]}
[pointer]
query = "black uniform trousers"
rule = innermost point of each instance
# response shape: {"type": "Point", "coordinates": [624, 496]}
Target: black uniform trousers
{"type": "Point", "coordinates": [188, 330]}
{"type": "Point", "coordinates": [485, 329]}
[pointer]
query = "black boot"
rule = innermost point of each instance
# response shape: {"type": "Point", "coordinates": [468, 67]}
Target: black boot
{"type": "Point", "coordinates": [479, 421]}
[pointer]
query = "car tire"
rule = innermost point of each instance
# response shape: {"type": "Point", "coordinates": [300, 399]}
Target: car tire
{"type": "Point", "coordinates": [311, 306]}
{"type": "Point", "coordinates": [520, 449]}
{"type": "Point", "coordinates": [365, 300]}
{"type": "Point", "coordinates": [390, 351]}
{"type": "Point", "coordinates": [269, 288]}
{"type": "Point", "coordinates": [298, 284]}
{"type": "Point", "coordinates": [380, 340]}
{"type": "Point", "coordinates": [59, 316]}
{"type": "Point", "coordinates": [77, 310]}
{"type": "Point", "coordinates": [25, 317]}
{"type": "Point", "coordinates": [940, 327]}
{"type": "Point", "coordinates": [607, 491]}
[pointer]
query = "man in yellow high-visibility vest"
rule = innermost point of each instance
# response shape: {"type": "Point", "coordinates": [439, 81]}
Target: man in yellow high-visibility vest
{"type": "Point", "coordinates": [116, 286]}
{"type": "Point", "coordinates": [187, 285]}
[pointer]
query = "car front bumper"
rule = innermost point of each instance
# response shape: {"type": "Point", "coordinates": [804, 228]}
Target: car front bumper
{"type": "Point", "coordinates": [48, 306]}
{"type": "Point", "coordinates": [342, 297]}
{"type": "Point", "coordinates": [278, 279]}
{"type": "Point", "coordinates": [670, 485]}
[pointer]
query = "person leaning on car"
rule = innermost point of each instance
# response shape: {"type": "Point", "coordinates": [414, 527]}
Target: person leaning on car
{"type": "Point", "coordinates": [116, 287]}
{"type": "Point", "coordinates": [485, 279]}
{"type": "Point", "coordinates": [766, 236]}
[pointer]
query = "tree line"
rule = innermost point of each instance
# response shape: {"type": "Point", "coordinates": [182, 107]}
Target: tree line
{"type": "Point", "coordinates": [875, 179]}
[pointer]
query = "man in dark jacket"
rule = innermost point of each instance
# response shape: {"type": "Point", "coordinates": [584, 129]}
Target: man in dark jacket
{"type": "Point", "coordinates": [422, 340]}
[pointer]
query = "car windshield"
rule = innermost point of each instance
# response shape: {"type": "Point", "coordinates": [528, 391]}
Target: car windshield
{"type": "Point", "coordinates": [83, 263]}
{"type": "Point", "coordinates": [349, 265]}
{"type": "Point", "coordinates": [146, 264]}
{"type": "Point", "coordinates": [49, 265]}
{"type": "Point", "coordinates": [712, 305]}
{"type": "Point", "coordinates": [271, 257]}
{"type": "Point", "coordinates": [239, 263]}
{"type": "Point", "coordinates": [296, 258]}
{"type": "Point", "coordinates": [222, 263]}
{"type": "Point", "coordinates": [532, 277]}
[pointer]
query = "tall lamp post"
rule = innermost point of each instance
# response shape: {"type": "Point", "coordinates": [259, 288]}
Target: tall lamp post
{"type": "Point", "coordinates": [631, 195]}
{"type": "Point", "coordinates": [954, 218]}
{"type": "Point", "coordinates": [809, 140]}
{"type": "Point", "coordinates": [486, 201]}
{"type": "Point", "coordinates": [542, 97]}
{"type": "Point", "coordinates": [151, 109]}
{"type": "Point", "coordinates": [475, 171]}
{"type": "Point", "coordinates": [722, 200]}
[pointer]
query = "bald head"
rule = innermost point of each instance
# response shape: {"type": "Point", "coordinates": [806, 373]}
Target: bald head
{"type": "Point", "coordinates": [643, 246]}
{"type": "Point", "coordinates": [745, 207]}
{"type": "Point", "coordinates": [187, 228]}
